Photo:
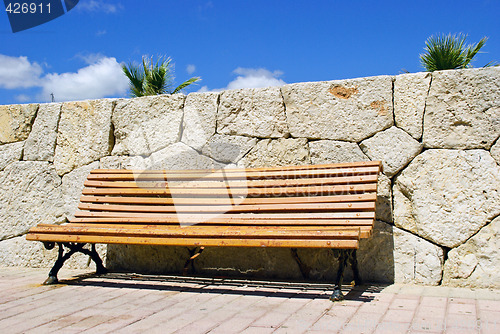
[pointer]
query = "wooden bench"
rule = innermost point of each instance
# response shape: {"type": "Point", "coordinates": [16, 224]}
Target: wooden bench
{"type": "Point", "coordinates": [317, 206]}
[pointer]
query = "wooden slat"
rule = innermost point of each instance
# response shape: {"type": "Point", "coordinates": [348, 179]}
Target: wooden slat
{"type": "Point", "coordinates": [295, 243]}
{"type": "Point", "coordinates": [235, 184]}
{"type": "Point", "coordinates": [199, 217]}
{"type": "Point", "coordinates": [240, 232]}
{"type": "Point", "coordinates": [289, 191]}
{"type": "Point", "coordinates": [365, 230]}
{"type": "Point", "coordinates": [263, 169]}
{"type": "Point", "coordinates": [360, 206]}
{"type": "Point", "coordinates": [223, 175]}
{"type": "Point", "coordinates": [275, 222]}
{"type": "Point", "coordinates": [224, 201]}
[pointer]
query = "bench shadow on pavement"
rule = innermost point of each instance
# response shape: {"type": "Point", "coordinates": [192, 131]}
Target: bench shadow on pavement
{"type": "Point", "coordinates": [224, 285]}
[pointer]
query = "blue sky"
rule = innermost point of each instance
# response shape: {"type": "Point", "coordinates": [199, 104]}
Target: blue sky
{"type": "Point", "coordinates": [231, 44]}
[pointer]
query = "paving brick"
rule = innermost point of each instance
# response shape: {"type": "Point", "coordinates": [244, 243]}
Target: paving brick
{"type": "Point", "coordinates": [435, 302]}
{"type": "Point", "coordinates": [431, 312]}
{"type": "Point", "coordinates": [396, 316]}
{"type": "Point", "coordinates": [329, 323]}
{"type": "Point", "coordinates": [404, 304]}
{"type": "Point", "coordinates": [428, 324]}
{"type": "Point", "coordinates": [392, 328]}
{"type": "Point", "coordinates": [461, 308]}
{"type": "Point", "coordinates": [258, 330]}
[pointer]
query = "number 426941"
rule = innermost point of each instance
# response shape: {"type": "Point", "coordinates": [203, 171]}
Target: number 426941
{"type": "Point", "coordinates": [25, 8]}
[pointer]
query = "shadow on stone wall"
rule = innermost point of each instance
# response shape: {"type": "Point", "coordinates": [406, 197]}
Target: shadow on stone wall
{"type": "Point", "coordinates": [375, 256]}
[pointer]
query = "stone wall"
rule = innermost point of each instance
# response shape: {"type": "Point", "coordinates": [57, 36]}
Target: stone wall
{"type": "Point", "coordinates": [438, 217]}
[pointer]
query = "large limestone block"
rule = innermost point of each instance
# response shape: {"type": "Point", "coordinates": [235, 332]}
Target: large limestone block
{"type": "Point", "coordinates": [228, 149]}
{"type": "Point", "coordinates": [16, 121]}
{"type": "Point", "coordinates": [446, 196]}
{"type": "Point", "coordinates": [410, 94]}
{"type": "Point", "coordinates": [147, 124]}
{"type": "Point", "coordinates": [18, 252]}
{"type": "Point", "coordinates": [72, 186]}
{"type": "Point", "coordinates": [495, 152]}
{"type": "Point", "coordinates": [348, 110]}
{"type": "Point", "coordinates": [10, 153]}
{"type": "Point", "coordinates": [334, 151]}
{"type": "Point", "coordinates": [394, 147]}
{"type": "Point", "coordinates": [476, 263]}
{"type": "Point", "coordinates": [84, 134]}
{"type": "Point", "coordinates": [200, 119]}
{"type": "Point", "coordinates": [463, 109]}
{"type": "Point", "coordinates": [256, 112]}
{"type": "Point", "coordinates": [41, 143]}
{"type": "Point", "coordinates": [279, 152]}
{"type": "Point", "coordinates": [416, 260]}
{"type": "Point", "coordinates": [30, 193]}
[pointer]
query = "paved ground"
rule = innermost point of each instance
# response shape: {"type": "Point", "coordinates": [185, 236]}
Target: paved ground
{"type": "Point", "coordinates": [128, 303]}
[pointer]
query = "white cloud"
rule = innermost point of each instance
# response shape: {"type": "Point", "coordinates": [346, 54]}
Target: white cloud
{"type": "Point", "coordinates": [251, 78]}
{"type": "Point", "coordinates": [98, 6]}
{"type": "Point", "coordinates": [101, 79]}
{"type": "Point", "coordinates": [255, 78]}
{"type": "Point", "coordinates": [22, 98]}
{"type": "Point", "coordinates": [190, 69]}
{"type": "Point", "coordinates": [18, 72]}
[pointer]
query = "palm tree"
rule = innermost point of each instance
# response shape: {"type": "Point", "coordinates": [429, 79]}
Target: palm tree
{"type": "Point", "coordinates": [153, 78]}
{"type": "Point", "coordinates": [446, 52]}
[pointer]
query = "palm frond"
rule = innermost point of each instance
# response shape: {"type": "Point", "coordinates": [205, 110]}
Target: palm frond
{"type": "Point", "coordinates": [136, 79]}
{"type": "Point", "coordinates": [446, 52]}
{"type": "Point", "coordinates": [185, 84]}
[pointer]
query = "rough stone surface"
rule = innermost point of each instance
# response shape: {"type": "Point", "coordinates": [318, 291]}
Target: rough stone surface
{"type": "Point", "coordinates": [476, 262]}
{"type": "Point", "coordinates": [410, 93]}
{"type": "Point", "coordinates": [16, 121]}
{"type": "Point", "coordinates": [375, 255]}
{"type": "Point", "coordinates": [147, 124]}
{"type": "Point", "coordinates": [30, 193]}
{"type": "Point", "coordinates": [257, 112]}
{"type": "Point", "coordinates": [20, 252]}
{"type": "Point", "coordinates": [72, 186]}
{"type": "Point", "coordinates": [463, 109]}
{"type": "Point", "coordinates": [279, 152]}
{"type": "Point", "coordinates": [228, 148]}
{"type": "Point", "coordinates": [394, 147]}
{"type": "Point", "coordinates": [251, 262]}
{"type": "Point", "coordinates": [334, 151]}
{"type": "Point", "coordinates": [349, 110]}
{"type": "Point", "coordinates": [84, 134]}
{"type": "Point", "coordinates": [384, 199]}
{"type": "Point", "coordinates": [180, 156]}
{"type": "Point", "coordinates": [416, 260]}
{"type": "Point", "coordinates": [10, 153]}
{"type": "Point", "coordinates": [495, 152]}
{"type": "Point", "coordinates": [41, 143]}
{"type": "Point", "coordinates": [200, 119]}
{"type": "Point", "coordinates": [123, 162]}
{"type": "Point", "coordinates": [446, 196]}
{"type": "Point", "coordinates": [146, 259]}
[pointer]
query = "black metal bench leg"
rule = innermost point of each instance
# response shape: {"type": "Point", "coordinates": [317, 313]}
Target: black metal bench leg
{"type": "Point", "coordinates": [337, 292]}
{"type": "Point", "coordinates": [61, 258]}
{"type": "Point", "coordinates": [100, 269]}
{"type": "Point", "coordinates": [355, 270]}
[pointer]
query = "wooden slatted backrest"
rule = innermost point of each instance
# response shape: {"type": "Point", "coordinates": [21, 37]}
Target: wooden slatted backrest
{"type": "Point", "coordinates": [294, 196]}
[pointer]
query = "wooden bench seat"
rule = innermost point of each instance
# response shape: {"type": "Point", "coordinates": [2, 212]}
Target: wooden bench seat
{"type": "Point", "coordinates": [315, 206]}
